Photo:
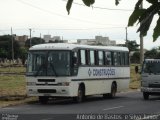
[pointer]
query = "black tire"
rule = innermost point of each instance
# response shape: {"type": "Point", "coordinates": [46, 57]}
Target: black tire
{"type": "Point", "coordinates": [80, 95]}
{"type": "Point", "coordinates": [43, 99]}
{"type": "Point", "coordinates": [113, 91]}
{"type": "Point", "coordinates": [105, 96]}
{"type": "Point", "coordinates": [145, 95]}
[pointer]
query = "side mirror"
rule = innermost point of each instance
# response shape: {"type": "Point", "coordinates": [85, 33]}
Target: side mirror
{"type": "Point", "coordinates": [75, 61]}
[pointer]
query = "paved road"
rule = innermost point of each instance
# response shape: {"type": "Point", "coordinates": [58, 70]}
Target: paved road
{"type": "Point", "coordinates": [127, 103]}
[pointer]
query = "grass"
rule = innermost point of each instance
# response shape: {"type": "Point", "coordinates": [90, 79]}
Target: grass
{"type": "Point", "coordinates": [11, 85]}
{"type": "Point", "coordinates": [12, 70]}
{"type": "Point", "coordinates": [135, 78]}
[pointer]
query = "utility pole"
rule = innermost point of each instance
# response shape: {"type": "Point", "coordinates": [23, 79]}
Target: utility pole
{"type": "Point", "coordinates": [12, 44]}
{"type": "Point", "coordinates": [141, 45]}
{"type": "Point", "coordinates": [41, 38]}
{"type": "Point", "coordinates": [30, 42]}
{"type": "Point", "coordinates": [126, 37]}
{"type": "Point", "coordinates": [40, 35]}
{"type": "Point", "coordinates": [126, 34]}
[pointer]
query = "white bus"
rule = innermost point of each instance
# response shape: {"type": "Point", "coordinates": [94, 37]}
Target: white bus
{"type": "Point", "coordinates": [71, 70]}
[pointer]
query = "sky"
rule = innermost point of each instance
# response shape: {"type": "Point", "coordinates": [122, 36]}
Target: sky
{"type": "Point", "coordinates": [50, 17]}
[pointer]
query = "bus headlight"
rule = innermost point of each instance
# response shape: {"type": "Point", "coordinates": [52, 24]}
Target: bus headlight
{"type": "Point", "coordinates": [63, 84]}
{"type": "Point", "coordinates": [31, 83]}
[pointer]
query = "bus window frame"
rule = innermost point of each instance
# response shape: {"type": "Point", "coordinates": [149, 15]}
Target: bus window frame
{"type": "Point", "coordinates": [98, 57]}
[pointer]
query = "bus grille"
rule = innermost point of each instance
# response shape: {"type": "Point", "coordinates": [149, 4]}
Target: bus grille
{"type": "Point", "coordinates": [154, 85]}
{"type": "Point", "coordinates": [46, 80]}
{"type": "Point", "coordinates": [46, 90]}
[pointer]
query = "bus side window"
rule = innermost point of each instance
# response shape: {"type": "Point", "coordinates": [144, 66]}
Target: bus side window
{"type": "Point", "coordinates": [112, 58]}
{"type": "Point", "coordinates": [83, 57]}
{"type": "Point", "coordinates": [108, 60]}
{"type": "Point", "coordinates": [92, 57]}
{"type": "Point", "coordinates": [126, 58]}
{"type": "Point", "coordinates": [100, 58]}
{"type": "Point", "coordinates": [122, 58]}
{"type": "Point", "coordinates": [118, 58]}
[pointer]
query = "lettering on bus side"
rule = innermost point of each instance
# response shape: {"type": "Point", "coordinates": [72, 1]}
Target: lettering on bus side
{"type": "Point", "coordinates": [101, 72]}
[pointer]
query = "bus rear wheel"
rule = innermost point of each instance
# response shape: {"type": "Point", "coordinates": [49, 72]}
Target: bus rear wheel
{"type": "Point", "coordinates": [43, 99]}
{"type": "Point", "coordinates": [113, 91]}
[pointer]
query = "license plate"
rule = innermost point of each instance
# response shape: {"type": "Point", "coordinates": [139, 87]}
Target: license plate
{"type": "Point", "coordinates": [47, 94]}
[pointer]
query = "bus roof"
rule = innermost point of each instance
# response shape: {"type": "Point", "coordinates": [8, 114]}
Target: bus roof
{"type": "Point", "coordinates": [67, 46]}
{"type": "Point", "coordinates": [152, 60]}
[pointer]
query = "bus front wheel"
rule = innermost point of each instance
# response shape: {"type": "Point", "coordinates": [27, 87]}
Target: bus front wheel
{"type": "Point", "coordinates": [43, 99]}
{"type": "Point", "coordinates": [145, 95]}
{"type": "Point", "coordinates": [80, 95]}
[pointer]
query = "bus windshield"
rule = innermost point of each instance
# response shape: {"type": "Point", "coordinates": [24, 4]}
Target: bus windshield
{"type": "Point", "coordinates": [151, 67]}
{"type": "Point", "coordinates": [48, 63]}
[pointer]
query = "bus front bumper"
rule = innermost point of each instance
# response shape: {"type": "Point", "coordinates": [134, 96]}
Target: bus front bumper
{"type": "Point", "coordinates": [48, 91]}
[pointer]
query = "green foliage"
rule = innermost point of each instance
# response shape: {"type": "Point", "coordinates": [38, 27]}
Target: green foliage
{"type": "Point", "coordinates": [145, 17]}
{"type": "Point", "coordinates": [23, 54]}
{"type": "Point", "coordinates": [151, 54]}
{"type": "Point", "coordinates": [135, 58]}
{"type": "Point", "coordinates": [55, 41]}
{"type": "Point", "coordinates": [3, 53]}
{"type": "Point", "coordinates": [142, 16]}
{"type": "Point", "coordinates": [156, 30]}
{"type": "Point", "coordinates": [6, 47]}
{"type": "Point", "coordinates": [86, 2]}
{"type": "Point", "coordinates": [34, 41]}
{"type": "Point", "coordinates": [158, 55]}
{"type": "Point", "coordinates": [132, 45]}
{"type": "Point", "coordinates": [152, 1]}
{"type": "Point", "coordinates": [117, 2]}
{"type": "Point", "coordinates": [135, 16]}
{"type": "Point", "coordinates": [69, 5]}
{"type": "Point", "coordinates": [138, 4]}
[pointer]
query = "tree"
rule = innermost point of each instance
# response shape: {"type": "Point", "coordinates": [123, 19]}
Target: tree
{"type": "Point", "coordinates": [158, 55]}
{"type": "Point", "coordinates": [143, 16]}
{"type": "Point", "coordinates": [55, 41]}
{"type": "Point", "coordinates": [23, 54]}
{"type": "Point", "coordinates": [34, 41]}
{"type": "Point", "coordinates": [6, 47]}
{"type": "Point", "coordinates": [135, 58]}
{"type": "Point", "coordinates": [132, 45]}
{"type": "Point", "coordinates": [3, 53]}
{"type": "Point", "coordinates": [151, 54]}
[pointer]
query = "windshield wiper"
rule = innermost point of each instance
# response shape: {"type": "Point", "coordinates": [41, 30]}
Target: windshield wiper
{"type": "Point", "coordinates": [54, 69]}
{"type": "Point", "coordinates": [43, 65]}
